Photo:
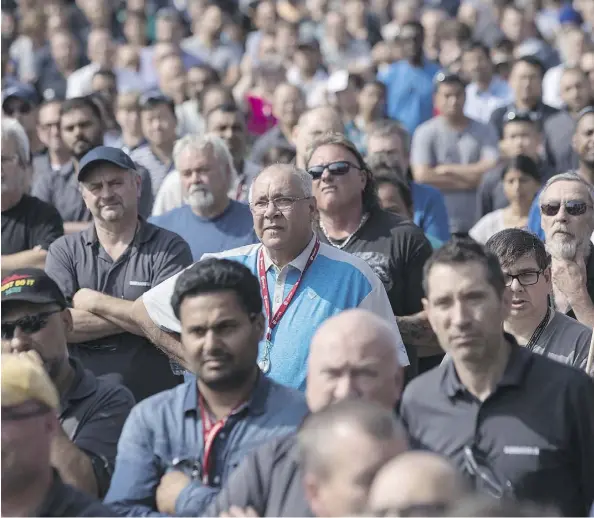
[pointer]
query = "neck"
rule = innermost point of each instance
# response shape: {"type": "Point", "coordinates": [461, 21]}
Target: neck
{"type": "Point", "coordinates": [416, 61]}
{"type": "Point", "coordinates": [131, 140]}
{"type": "Point", "coordinates": [484, 84]}
{"type": "Point", "coordinates": [58, 157]}
{"type": "Point", "coordinates": [586, 171]}
{"type": "Point", "coordinates": [458, 121]}
{"type": "Point", "coordinates": [339, 225]}
{"type": "Point", "coordinates": [28, 501]}
{"type": "Point", "coordinates": [64, 379]}
{"type": "Point", "coordinates": [282, 257]}
{"type": "Point", "coordinates": [163, 152]}
{"type": "Point", "coordinates": [365, 118]}
{"type": "Point", "coordinates": [481, 377]}
{"type": "Point", "coordinates": [216, 209]}
{"type": "Point", "coordinates": [10, 200]}
{"type": "Point", "coordinates": [307, 74]}
{"type": "Point", "coordinates": [221, 404]}
{"type": "Point", "coordinates": [115, 233]}
{"type": "Point", "coordinates": [286, 130]}
{"type": "Point", "coordinates": [526, 106]}
{"type": "Point", "coordinates": [206, 39]}
{"type": "Point", "coordinates": [523, 327]}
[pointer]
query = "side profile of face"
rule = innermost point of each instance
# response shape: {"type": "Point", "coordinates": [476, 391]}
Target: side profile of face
{"type": "Point", "coordinates": [220, 339]}
{"type": "Point", "coordinates": [465, 310]}
{"type": "Point", "coordinates": [44, 330]}
{"type": "Point", "coordinates": [111, 194]}
{"type": "Point", "coordinates": [281, 229]}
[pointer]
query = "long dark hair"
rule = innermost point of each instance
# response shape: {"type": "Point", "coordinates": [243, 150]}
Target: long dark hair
{"type": "Point", "coordinates": [370, 197]}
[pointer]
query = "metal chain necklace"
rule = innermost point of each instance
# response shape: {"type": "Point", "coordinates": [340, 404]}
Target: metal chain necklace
{"type": "Point", "coordinates": [344, 243]}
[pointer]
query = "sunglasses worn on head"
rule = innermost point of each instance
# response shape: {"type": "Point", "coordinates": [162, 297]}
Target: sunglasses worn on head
{"type": "Point", "coordinates": [334, 168]}
{"type": "Point", "coordinates": [29, 324]}
{"type": "Point", "coordinates": [572, 207]}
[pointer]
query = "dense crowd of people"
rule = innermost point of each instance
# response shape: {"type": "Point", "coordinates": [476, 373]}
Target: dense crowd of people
{"type": "Point", "coordinates": [297, 258]}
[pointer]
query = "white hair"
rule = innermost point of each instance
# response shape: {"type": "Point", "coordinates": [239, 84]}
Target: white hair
{"type": "Point", "coordinates": [12, 128]}
{"type": "Point", "coordinates": [202, 142]}
{"type": "Point", "coordinates": [569, 176]}
{"type": "Point", "coordinates": [304, 178]}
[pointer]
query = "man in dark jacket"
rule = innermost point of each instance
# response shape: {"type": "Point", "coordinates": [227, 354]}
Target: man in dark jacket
{"type": "Point", "coordinates": [352, 356]}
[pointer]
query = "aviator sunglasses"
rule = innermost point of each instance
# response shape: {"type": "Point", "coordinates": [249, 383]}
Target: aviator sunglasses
{"type": "Point", "coordinates": [334, 168]}
{"type": "Point", "coordinates": [29, 324]}
{"type": "Point", "coordinates": [572, 207]}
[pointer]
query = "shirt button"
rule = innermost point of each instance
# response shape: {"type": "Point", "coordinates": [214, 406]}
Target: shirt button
{"type": "Point", "coordinates": [223, 435]}
{"type": "Point", "coordinates": [216, 480]}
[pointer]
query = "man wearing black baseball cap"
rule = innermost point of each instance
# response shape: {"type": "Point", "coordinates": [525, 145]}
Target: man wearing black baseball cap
{"type": "Point", "coordinates": [105, 268]}
{"type": "Point", "coordinates": [36, 322]}
{"type": "Point", "coordinates": [21, 102]}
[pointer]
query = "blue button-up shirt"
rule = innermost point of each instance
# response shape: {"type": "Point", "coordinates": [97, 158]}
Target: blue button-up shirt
{"type": "Point", "coordinates": [410, 92]}
{"type": "Point", "coordinates": [164, 433]}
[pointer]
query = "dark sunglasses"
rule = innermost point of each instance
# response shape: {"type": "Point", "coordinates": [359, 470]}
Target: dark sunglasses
{"type": "Point", "coordinates": [22, 108]}
{"type": "Point", "coordinates": [572, 207]}
{"type": "Point", "coordinates": [334, 168]}
{"type": "Point", "coordinates": [29, 324]}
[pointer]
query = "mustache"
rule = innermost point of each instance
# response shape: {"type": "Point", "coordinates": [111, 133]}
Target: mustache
{"type": "Point", "coordinates": [216, 354]}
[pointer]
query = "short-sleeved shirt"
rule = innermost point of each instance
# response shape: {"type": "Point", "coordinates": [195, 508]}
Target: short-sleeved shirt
{"type": "Point", "coordinates": [430, 211]}
{"type": "Point", "coordinates": [435, 142]}
{"type": "Point", "coordinates": [534, 431]}
{"type": "Point", "coordinates": [28, 224]}
{"type": "Point", "coordinates": [60, 189]}
{"type": "Point", "coordinates": [409, 92]}
{"type": "Point", "coordinates": [480, 105]}
{"type": "Point", "coordinates": [92, 413]}
{"type": "Point", "coordinates": [335, 281]}
{"type": "Point", "coordinates": [558, 135]}
{"type": "Point", "coordinates": [78, 261]}
{"type": "Point", "coordinates": [231, 229]}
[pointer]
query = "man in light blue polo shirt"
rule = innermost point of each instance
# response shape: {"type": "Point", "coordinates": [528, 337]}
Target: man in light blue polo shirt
{"type": "Point", "coordinates": [410, 81]}
{"type": "Point", "coordinates": [303, 281]}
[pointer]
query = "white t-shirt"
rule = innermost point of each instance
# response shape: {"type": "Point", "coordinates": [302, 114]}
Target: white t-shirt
{"type": "Point", "coordinates": [488, 225]}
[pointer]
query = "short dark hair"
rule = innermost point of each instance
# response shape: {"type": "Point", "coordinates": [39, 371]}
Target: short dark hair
{"type": "Point", "coordinates": [462, 250]}
{"type": "Point", "coordinates": [106, 72]}
{"type": "Point", "coordinates": [531, 61]}
{"type": "Point", "coordinates": [80, 103]}
{"type": "Point", "coordinates": [225, 108]}
{"type": "Point", "coordinates": [370, 198]}
{"type": "Point", "coordinates": [403, 187]}
{"type": "Point", "coordinates": [477, 45]}
{"type": "Point", "coordinates": [512, 244]}
{"type": "Point", "coordinates": [525, 165]}
{"type": "Point", "coordinates": [216, 275]}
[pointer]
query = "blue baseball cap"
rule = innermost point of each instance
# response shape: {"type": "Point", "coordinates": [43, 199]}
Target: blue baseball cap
{"type": "Point", "coordinates": [100, 154]}
{"type": "Point", "coordinates": [21, 91]}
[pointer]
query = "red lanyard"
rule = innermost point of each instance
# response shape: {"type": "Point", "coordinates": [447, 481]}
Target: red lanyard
{"type": "Point", "coordinates": [210, 430]}
{"type": "Point", "coordinates": [274, 320]}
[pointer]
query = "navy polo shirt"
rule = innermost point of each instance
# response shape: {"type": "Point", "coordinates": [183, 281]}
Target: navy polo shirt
{"type": "Point", "coordinates": [78, 261]}
{"type": "Point", "coordinates": [533, 433]}
{"type": "Point", "coordinates": [60, 189]}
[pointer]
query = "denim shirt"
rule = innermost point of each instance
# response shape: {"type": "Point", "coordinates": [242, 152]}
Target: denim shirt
{"type": "Point", "coordinates": [164, 433]}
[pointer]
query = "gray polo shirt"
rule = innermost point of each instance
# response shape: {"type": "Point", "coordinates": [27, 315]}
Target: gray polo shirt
{"type": "Point", "coordinates": [92, 413]}
{"type": "Point", "coordinates": [558, 133]}
{"type": "Point", "coordinates": [60, 189]}
{"type": "Point", "coordinates": [435, 142]}
{"type": "Point", "coordinates": [79, 261]}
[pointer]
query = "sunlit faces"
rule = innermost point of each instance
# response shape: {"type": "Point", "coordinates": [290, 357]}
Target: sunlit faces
{"type": "Point", "coordinates": [527, 298]}
{"type": "Point", "coordinates": [111, 193]}
{"type": "Point", "coordinates": [158, 124]}
{"type": "Point", "coordinates": [81, 131]}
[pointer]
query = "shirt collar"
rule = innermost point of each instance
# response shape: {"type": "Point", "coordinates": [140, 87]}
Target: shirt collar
{"type": "Point", "coordinates": [67, 169]}
{"type": "Point", "coordinates": [143, 234]}
{"type": "Point", "coordinates": [255, 406]}
{"type": "Point", "coordinates": [83, 385]}
{"type": "Point", "coordinates": [512, 375]}
{"type": "Point", "coordinates": [299, 262]}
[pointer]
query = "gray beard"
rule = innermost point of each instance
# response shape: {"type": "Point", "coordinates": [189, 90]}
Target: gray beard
{"type": "Point", "coordinates": [568, 250]}
{"type": "Point", "coordinates": [200, 200]}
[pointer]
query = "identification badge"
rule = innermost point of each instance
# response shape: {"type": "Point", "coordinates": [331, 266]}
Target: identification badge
{"type": "Point", "coordinates": [264, 365]}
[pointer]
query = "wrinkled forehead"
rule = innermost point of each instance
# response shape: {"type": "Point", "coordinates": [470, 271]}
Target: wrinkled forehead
{"type": "Point", "coordinates": [563, 191]}
{"type": "Point", "coordinates": [276, 182]}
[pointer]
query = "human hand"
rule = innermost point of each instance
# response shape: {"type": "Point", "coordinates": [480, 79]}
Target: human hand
{"type": "Point", "coordinates": [569, 277]}
{"type": "Point", "coordinates": [238, 512]}
{"type": "Point", "coordinates": [170, 486]}
{"type": "Point", "coordinates": [85, 299]}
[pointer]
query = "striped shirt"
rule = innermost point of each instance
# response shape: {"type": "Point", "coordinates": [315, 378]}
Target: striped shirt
{"type": "Point", "coordinates": [158, 170]}
{"type": "Point", "coordinates": [334, 282]}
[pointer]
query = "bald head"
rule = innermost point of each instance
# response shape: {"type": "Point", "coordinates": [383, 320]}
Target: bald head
{"type": "Point", "coordinates": [354, 355]}
{"type": "Point", "coordinates": [415, 479]}
{"type": "Point", "coordinates": [312, 124]}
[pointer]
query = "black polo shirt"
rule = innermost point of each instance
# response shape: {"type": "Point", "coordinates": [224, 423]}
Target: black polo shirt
{"type": "Point", "coordinates": [60, 189]}
{"type": "Point", "coordinates": [30, 223]}
{"type": "Point", "coordinates": [92, 413]}
{"type": "Point", "coordinates": [64, 500]}
{"type": "Point", "coordinates": [78, 261]}
{"type": "Point", "coordinates": [536, 430]}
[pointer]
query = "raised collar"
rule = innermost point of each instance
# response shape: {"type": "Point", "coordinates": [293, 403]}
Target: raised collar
{"type": "Point", "coordinates": [83, 385]}
{"type": "Point", "coordinates": [513, 375]}
{"type": "Point", "coordinates": [144, 233]}
{"type": "Point", "coordinates": [299, 262]}
{"type": "Point", "coordinates": [255, 406]}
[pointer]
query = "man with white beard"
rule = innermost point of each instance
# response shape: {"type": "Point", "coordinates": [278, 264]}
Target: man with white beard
{"type": "Point", "coordinates": [567, 214]}
{"type": "Point", "coordinates": [210, 222]}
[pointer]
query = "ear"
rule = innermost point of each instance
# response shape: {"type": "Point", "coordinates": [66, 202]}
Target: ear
{"type": "Point", "coordinates": [312, 494]}
{"type": "Point", "coordinates": [364, 174]}
{"type": "Point", "coordinates": [260, 325]}
{"type": "Point", "coordinates": [313, 207]}
{"type": "Point", "coordinates": [574, 142]}
{"type": "Point", "coordinates": [66, 317]}
{"type": "Point", "coordinates": [547, 274]}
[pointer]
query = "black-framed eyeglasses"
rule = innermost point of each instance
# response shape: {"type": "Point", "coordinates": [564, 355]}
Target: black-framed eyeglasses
{"type": "Point", "coordinates": [524, 278]}
{"type": "Point", "coordinates": [282, 203]}
{"type": "Point", "coordinates": [29, 324]}
{"type": "Point", "coordinates": [484, 478]}
{"type": "Point", "coordinates": [13, 414]}
{"type": "Point", "coordinates": [339, 168]}
{"type": "Point", "coordinates": [572, 207]}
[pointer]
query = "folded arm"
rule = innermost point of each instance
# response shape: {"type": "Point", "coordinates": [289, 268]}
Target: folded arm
{"type": "Point", "coordinates": [34, 258]}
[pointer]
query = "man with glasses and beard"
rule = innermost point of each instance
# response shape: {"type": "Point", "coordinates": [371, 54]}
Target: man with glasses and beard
{"type": "Point", "coordinates": [230, 407]}
{"type": "Point", "coordinates": [567, 217]}
{"type": "Point", "coordinates": [210, 222]}
{"type": "Point", "coordinates": [517, 424]}
{"type": "Point", "coordinates": [81, 129]}
{"type": "Point", "coordinates": [35, 323]}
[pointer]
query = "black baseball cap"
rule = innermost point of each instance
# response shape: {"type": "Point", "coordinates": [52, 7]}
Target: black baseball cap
{"type": "Point", "coordinates": [100, 154]}
{"type": "Point", "coordinates": [31, 285]}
